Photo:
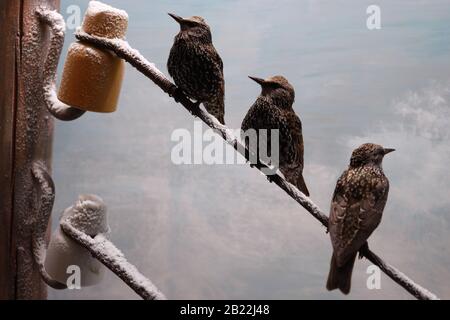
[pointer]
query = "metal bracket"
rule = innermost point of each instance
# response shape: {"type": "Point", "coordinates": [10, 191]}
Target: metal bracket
{"type": "Point", "coordinates": [57, 108]}
{"type": "Point", "coordinates": [47, 197]}
{"type": "Point", "coordinates": [99, 246]}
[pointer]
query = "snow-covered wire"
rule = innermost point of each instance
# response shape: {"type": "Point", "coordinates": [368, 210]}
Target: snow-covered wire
{"type": "Point", "coordinates": [99, 246]}
{"type": "Point", "coordinates": [108, 254]}
{"type": "Point", "coordinates": [57, 108]}
{"type": "Point", "coordinates": [132, 56]}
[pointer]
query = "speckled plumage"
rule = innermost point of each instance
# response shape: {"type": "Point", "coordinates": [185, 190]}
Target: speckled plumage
{"type": "Point", "coordinates": [356, 210]}
{"type": "Point", "coordinates": [196, 67]}
{"type": "Point", "coordinates": [273, 110]}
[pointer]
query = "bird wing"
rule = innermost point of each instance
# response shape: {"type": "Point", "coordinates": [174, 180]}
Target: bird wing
{"type": "Point", "coordinates": [353, 220]}
{"type": "Point", "coordinates": [216, 57]}
{"type": "Point", "coordinates": [210, 57]}
{"type": "Point", "coordinates": [198, 69]}
{"type": "Point", "coordinates": [259, 116]}
{"type": "Point", "coordinates": [292, 133]}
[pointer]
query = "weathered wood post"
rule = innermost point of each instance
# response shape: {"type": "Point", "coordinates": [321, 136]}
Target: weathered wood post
{"type": "Point", "coordinates": [26, 131]}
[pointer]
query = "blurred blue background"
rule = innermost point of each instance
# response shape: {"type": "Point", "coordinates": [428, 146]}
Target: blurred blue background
{"type": "Point", "coordinates": [223, 232]}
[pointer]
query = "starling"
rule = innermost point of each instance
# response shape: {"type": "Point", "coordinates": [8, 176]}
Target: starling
{"type": "Point", "coordinates": [196, 67]}
{"type": "Point", "coordinates": [356, 209]}
{"type": "Point", "coordinates": [273, 110]}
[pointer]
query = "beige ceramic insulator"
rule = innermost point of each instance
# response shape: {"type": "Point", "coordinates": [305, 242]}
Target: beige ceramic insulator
{"type": "Point", "coordinates": [92, 78]}
{"type": "Point", "coordinates": [89, 216]}
{"type": "Point", "coordinates": [64, 253]}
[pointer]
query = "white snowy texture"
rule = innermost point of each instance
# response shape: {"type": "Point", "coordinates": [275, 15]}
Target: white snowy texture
{"type": "Point", "coordinates": [46, 186]}
{"type": "Point", "coordinates": [57, 108]}
{"type": "Point", "coordinates": [97, 7]}
{"type": "Point", "coordinates": [88, 215]}
{"type": "Point", "coordinates": [103, 20]}
{"type": "Point", "coordinates": [108, 254]}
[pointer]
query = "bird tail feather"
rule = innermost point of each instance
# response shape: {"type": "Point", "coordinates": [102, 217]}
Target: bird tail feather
{"type": "Point", "coordinates": [295, 176]}
{"type": "Point", "coordinates": [341, 277]}
{"type": "Point", "coordinates": [301, 185]}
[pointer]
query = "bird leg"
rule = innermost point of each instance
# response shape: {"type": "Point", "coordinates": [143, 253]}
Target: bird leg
{"type": "Point", "coordinates": [195, 108]}
{"type": "Point", "coordinates": [176, 93]}
{"type": "Point", "coordinates": [363, 250]}
{"type": "Point", "coordinates": [270, 178]}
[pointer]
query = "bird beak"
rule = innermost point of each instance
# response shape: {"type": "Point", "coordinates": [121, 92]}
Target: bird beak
{"type": "Point", "coordinates": [387, 150]}
{"type": "Point", "coordinates": [258, 80]}
{"type": "Point", "coordinates": [176, 18]}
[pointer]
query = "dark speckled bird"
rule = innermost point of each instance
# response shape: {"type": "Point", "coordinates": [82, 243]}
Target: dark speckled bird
{"type": "Point", "coordinates": [356, 209]}
{"type": "Point", "coordinates": [273, 110]}
{"type": "Point", "coordinates": [196, 67]}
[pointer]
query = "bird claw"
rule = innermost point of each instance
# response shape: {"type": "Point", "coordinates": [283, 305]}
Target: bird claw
{"type": "Point", "coordinates": [176, 94]}
{"type": "Point", "coordinates": [197, 104]}
{"type": "Point", "coordinates": [195, 108]}
{"type": "Point", "coordinates": [270, 178]}
{"type": "Point", "coordinates": [363, 250]}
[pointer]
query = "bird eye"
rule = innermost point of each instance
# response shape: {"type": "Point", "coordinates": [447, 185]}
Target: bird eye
{"type": "Point", "coordinates": [191, 24]}
{"type": "Point", "coordinates": [275, 85]}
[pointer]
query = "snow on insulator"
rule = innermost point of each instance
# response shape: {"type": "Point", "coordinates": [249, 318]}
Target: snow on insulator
{"type": "Point", "coordinates": [105, 21]}
{"type": "Point", "coordinates": [88, 215]}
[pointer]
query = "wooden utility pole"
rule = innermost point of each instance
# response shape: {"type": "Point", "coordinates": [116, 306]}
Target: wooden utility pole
{"type": "Point", "coordinates": [26, 132]}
